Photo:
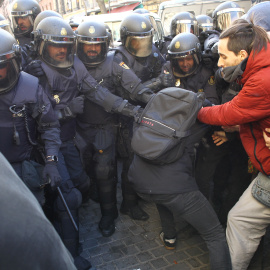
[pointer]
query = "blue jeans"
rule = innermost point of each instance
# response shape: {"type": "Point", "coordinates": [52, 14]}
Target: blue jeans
{"type": "Point", "coordinates": [194, 208]}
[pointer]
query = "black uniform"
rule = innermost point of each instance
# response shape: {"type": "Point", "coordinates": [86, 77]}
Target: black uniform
{"type": "Point", "coordinates": [26, 112]}
{"type": "Point", "coordinates": [145, 68]}
{"type": "Point", "coordinates": [201, 80]}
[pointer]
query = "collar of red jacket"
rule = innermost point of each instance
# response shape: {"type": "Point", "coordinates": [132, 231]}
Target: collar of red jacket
{"type": "Point", "coordinates": [256, 62]}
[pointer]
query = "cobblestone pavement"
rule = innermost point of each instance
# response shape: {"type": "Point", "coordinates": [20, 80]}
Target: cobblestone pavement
{"type": "Point", "coordinates": [136, 244]}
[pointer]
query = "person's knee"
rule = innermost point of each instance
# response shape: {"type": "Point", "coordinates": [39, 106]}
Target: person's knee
{"type": "Point", "coordinates": [73, 199]}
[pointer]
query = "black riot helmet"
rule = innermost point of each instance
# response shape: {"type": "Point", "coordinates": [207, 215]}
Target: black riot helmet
{"type": "Point", "coordinates": [4, 24]}
{"type": "Point", "coordinates": [10, 59]}
{"type": "Point", "coordinates": [55, 42]}
{"type": "Point", "coordinates": [137, 35]}
{"type": "Point", "coordinates": [259, 15]}
{"type": "Point", "coordinates": [184, 22]}
{"type": "Point", "coordinates": [109, 34]}
{"type": "Point", "coordinates": [92, 42]}
{"type": "Point", "coordinates": [205, 23]}
{"type": "Point", "coordinates": [23, 14]}
{"type": "Point", "coordinates": [184, 46]}
{"type": "Point", "coordinates": [225, 14]}
{"type": "Point", "coordinates": [141, 11]}
{"type": "Point", "coordinates": [45, 14]}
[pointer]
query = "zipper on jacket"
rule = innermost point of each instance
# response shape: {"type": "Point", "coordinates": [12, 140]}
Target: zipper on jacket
{"type": "Point", "coordinates": [255, 141]}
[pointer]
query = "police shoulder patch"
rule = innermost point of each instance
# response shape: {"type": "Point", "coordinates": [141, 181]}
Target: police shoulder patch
{"type": "Point", "coordinates": [211, 80]}
{"type": "Point", "coordinates": [123, 65]}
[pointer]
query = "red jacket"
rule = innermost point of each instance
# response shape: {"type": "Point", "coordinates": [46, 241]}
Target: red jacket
{"type": "Point", "coordinates": [250, 109]}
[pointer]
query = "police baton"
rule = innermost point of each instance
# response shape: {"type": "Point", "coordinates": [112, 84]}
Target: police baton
{"type": "Point", "coordinates": [67, 208]}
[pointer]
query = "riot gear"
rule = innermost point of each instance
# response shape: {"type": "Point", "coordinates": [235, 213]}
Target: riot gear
{"type": "Point", "coordinates": [141, 11]}
{"type": "Point", "coordinates": [225, 14]}
{"type": "Point", "coordinates": [205, 23]}
{"type": "Point", "coordinates": [4, 24]}
{"type": "Point", "coordinates": [259, 15]}
{"type": "Point", "coordinates": [137, 35]}
{"type": "Point", "coordinates": [92, 43]}
{"type": "Point", "coordinates": [184, 22]}
{"type": "Point", "coordinates": [9, 61]}
{"type": "Point", "coordinates": [183, 47]}
{"type": "Point", "coordinates": [23, 14]}
{"type": "Point", "coordinates": [44, 14]}
{"type": "Point", "coordinates": [55, 42]}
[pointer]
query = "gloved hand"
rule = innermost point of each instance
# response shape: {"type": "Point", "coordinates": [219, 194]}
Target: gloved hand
{"type": "Point", "coordinates": [130, 110]}
{"type": "Point", "coordinates": [207, 103]}
{"type": "Point", "coordinates": [76, 106]}
{"type": "Point", "coordinates": [50, 171]}
{"type": "Point", "coordinates": [167, 79]}
{"type": "Point", "coordinates": [34, 68]}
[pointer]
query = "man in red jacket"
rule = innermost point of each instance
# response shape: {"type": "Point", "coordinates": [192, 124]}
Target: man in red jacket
{"type": "Point", "coordinates": [244, 51]}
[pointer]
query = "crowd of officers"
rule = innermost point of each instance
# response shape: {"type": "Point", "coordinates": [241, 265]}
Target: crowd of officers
{"type": "Point", "coordinates": [68, 102]}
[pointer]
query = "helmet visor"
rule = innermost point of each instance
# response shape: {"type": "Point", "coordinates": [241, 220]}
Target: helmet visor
{"type": "Point", "coordinates": [9, 74]}
{"type": "Point", "coordinates": [187, 26]}
{"type": "Point", "coordinates": [92, 51]}
{"type": "Point", "coordinates": [22, 22]}
{"type": "Point", "coordinates": [5, 26]}
{"type": "Point", "coordinates": [206, 27]}
{"type": "Point", "coordinates": [227, 16]}
{"type": "Point", "coordinates": [140, 46]}
{"type": "Point", "coordinates": [58, 52]}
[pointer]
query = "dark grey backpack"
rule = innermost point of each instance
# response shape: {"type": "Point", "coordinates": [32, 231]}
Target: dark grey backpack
{"type": "Point", "coordinates": [165, 124]}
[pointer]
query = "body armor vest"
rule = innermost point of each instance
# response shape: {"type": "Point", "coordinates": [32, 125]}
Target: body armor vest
{"type": "Point", "coordinates": [15, 110]}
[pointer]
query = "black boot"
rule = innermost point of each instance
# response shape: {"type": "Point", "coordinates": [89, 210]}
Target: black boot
{"type": "Point", "coordinates": [135, 212]}
{"type": "Point", "coordinates": [107, 195]}
{"type": "Point", "coordinates": [81, 263]}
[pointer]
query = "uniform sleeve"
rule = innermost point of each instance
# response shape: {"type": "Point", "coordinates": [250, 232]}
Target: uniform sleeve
{"type": "Point", "coordinates": [125, 77]}
{"type": "Point", "coordinates": [251, 104]}
{"type": "Point", "coordinates": [48, 126]}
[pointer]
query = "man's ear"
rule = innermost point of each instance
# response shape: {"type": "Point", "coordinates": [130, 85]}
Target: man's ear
{"type": "Point", "coordinates": [243, 54]}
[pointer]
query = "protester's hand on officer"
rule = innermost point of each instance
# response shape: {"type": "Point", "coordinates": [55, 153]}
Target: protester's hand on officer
{"type": "Point", "coordinates": [34, 68]}
{"type": "Point", "coordinates": [219, 137]}
{"type": "Point", "coordinates": [76, 106]}
{"type": "Point", "coordinates": [51, 172]}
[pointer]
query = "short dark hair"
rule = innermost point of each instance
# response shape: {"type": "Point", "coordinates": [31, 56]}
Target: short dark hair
{"type": "Point", "coordinates": [245, 36]}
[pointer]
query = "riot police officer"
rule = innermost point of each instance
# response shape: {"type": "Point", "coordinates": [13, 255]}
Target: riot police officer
{"type": "Point", "coordinates": [45, 14]}
{"type": "Point", "coordinates": [26, 113]}
{"type": "Point", "coordinates": [23, 14]}
{"type": "Point", "coordinates": [205, 23]}
{"type": "Point", "coordinates": [65, 79]}
{"type": "Point", "coordinates": [98, 127]}
{"type": "Point", "coordinates": [182, 22]}
{"type": "Point", "coordinates": [186, 66]}
{"type": "Point", "coordinates": [4, 24]}
{"type": "Point", "coordinates": [139, 54]}
{"type": "Point", "coordinates": [225, 13]}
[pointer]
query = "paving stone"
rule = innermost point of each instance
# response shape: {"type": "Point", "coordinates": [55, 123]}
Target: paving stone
{"type": "Point", "coordinates": [159, 263]}
{"type": "Point", "coordinates": [126, 262]}
{"type": "Point", "coordinates": [129, 250]}
{"type": "Point", "coordinates": [193, 263]}
{"type": "Point", "coordinates": [176, 257]}
{"type": "Point", "coordinates": [133, 239]}
{"type": "Point", "coordinates": [178, 266]}
{"type": "Point", "coordinates": [146, 245]}
{"type": "Point", "coordinates": [144, 256]}
{"type": "Point", "coordinates": [194, 251]}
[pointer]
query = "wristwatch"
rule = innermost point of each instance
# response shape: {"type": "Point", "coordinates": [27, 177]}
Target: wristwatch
{"type": "Point", "coordinates": [52, 158]}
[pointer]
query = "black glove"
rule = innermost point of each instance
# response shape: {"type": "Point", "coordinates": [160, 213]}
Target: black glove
{"type": "Point", "coordinates": [50, 171]}
{"type": "Point", "coordinates": [130, 110]}
{"type": "Point", "coordinates": [166, 79]}
{"type": "Point", "coordinates": [76, 106]}
{"type": "Point", "coordinates": [207, 103]}
{"type": "Point", "coordinates": [34, 68]}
